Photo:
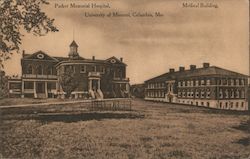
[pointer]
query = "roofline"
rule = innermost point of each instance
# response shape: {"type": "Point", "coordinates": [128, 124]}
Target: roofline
{"type": "Point", "coordinates": [28, 55]}
{"type": "Point", "coordinates": [167, 73]}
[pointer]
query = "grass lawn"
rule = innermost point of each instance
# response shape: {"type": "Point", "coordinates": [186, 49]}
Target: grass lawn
{"type": "Point", "coordinates": [151, 130]}
{"type": "Point", "coordinates": [18, 101]}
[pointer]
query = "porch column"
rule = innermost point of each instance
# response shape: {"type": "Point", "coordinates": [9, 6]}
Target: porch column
{"type": "Point", "coordinates": [127, 87]}
{"type": "Point", "coordinates": [22, 93]}
{"type": "Point", "coordinates": [90, 84]}
{"type": "Point", "coordinates": [46, 89]}
{"type": "Point", "coordinates": [57, 84]}
{"type": "Point", "coordinates": [35, 95]}
{"type": "Point", "coordinates": [99, 84]}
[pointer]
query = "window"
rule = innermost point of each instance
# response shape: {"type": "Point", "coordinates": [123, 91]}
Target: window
{"type": "Point", "coordinates": [192, 93]}
{"type": "Point", "coordinates": [191, 83]}
{"type": "Point", "coordinates": [188, 93]}
{"type": "Point", "coordinates": [93, 69]}
{"type": "Point", "coordinates": [162, 93]}
{"type": "Point", "coordinates": [197, 82]}
{"type": "Point", "coordinates": [231, 104]}
{"type": "Point", "coordinates": [226, 104]}
{"type": "Point", "coordinates": [15, 86]}
{"type": "Point", "coordinates": [237, 104]}
{"type": "Point", "coordinates": [219, 82]}
{"type": "Point", "coordinates": [202, 82]}
{"type": "Point", "coordinates": [225, 82]}
{"type": "Point", "coordinates": [183, 93]}
{"type": "Point", "coordinates": [237, 94]}
{"type": "Point", "coordinates": [242, 104]}
{"type": "Point", "coordinates": [237, 82]}
{"type": "Point", "coordinates": [232, 82]}
{"type": "Point", "coordinates": [226, 93]}
{"type": "Point", "coordinates": [197, 94]}
{"type": "Point", "coordinates": [83, 69]}
{"type": "Point", "coordinates": [232, 93]}
{"type": "Point", "coordinates": [208, 93]}
{"type": "Point", "coordinates": [179, 94]}
{"type": "Point", "coordinates": [242, 94]}
{"type": "Point", "coordinates": [208, 104]}
{"type": "Point", "coordinates": [39, 70]}
{"type": "Point", "coordinates": [220, 105]}
{"type": "Point", "coordinates": [179, 84]}
{"type": "Point", "coordinates": [50, 70]}
{"type": "Point", "coordinates": [170, 87]}
{"type": "Point", "coordinates": [208, 82]}
{"type": "Point", "coordinates": [29, 70]}
{"type": "Point", "coordinates": [221, 93]}
{"type": "Point", "coordinates": [51, 85]}
{"type": "Point", "coordinates": [243, 82]}
{"type": "Point", "coordinates": [202, 94]}
{"type": "Point", "coordinates": [28, 85]}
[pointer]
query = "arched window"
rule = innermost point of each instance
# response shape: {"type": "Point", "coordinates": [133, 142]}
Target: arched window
{"type": "Point", "coordinates": [29, 70]}
{"type": "Point", "coordinates": [39, 70]}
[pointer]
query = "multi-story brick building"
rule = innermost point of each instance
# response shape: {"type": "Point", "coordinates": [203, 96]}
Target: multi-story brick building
{"type": "Point", "coordinates": [209, 86]}
{"type": "Point", "coordinates": [95, 78]}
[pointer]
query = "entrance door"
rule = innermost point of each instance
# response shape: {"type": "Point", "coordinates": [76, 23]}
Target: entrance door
{"type": "Point", "coordinates": [40, 87]}
{"type": "Point", "coordinates": [95, 85]}
{"type": "Point", "coordinates": [170, 99]}
{"type": "Point", "coordinates": [40, 90]}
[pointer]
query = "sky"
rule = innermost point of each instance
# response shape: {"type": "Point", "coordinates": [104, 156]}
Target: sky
{"type": "Point", "coordinates": [149, 46]}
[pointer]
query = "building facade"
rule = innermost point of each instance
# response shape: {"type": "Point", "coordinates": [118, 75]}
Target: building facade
{"type": "Point", "coordinates": [137, 91]}
{"type": "Point", "coordinates": [209, 86]}
{"type": "Point", "coordinates": [43, 75]}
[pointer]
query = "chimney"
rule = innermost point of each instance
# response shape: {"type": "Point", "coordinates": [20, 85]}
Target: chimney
{"type": "Point", "coordinates": [205, 65]}
{"type": "Point", "coordinates": [93, 57]}
{"type": "Point", "coordinates": [23, 53]}
{"type": "Point", "coordinates": [121, 59]}
{"type": "Point", "coordinates": [192, 67]}
{"type": "Point", "coordinates": [181, 68]}
{"type": "Point", "coordinates": [171, 70]}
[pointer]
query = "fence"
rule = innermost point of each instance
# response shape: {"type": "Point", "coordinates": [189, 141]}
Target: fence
{"type": "Point", "coordinates": [120, 104]}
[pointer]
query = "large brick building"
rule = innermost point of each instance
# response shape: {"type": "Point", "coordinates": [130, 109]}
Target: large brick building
{"type": "Point", "coordinates": [95, 78]}
{"type": "Point", "coordinates": [209, 86]}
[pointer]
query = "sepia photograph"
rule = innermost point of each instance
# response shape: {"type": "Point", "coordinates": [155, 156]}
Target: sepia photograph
{"type": "Point", "coordinates": [124, 79]}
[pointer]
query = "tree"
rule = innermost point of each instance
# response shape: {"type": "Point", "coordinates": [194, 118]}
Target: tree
{"type": "Point", "coordinates": [69, 81]}
{"type": "Point", "coordinates": [3, 85]}
{"type": "Point", "coordinates": [19, 15]}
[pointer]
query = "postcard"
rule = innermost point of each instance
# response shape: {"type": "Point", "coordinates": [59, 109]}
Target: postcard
{"type": "Point", "coordinates": [124, 79]}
